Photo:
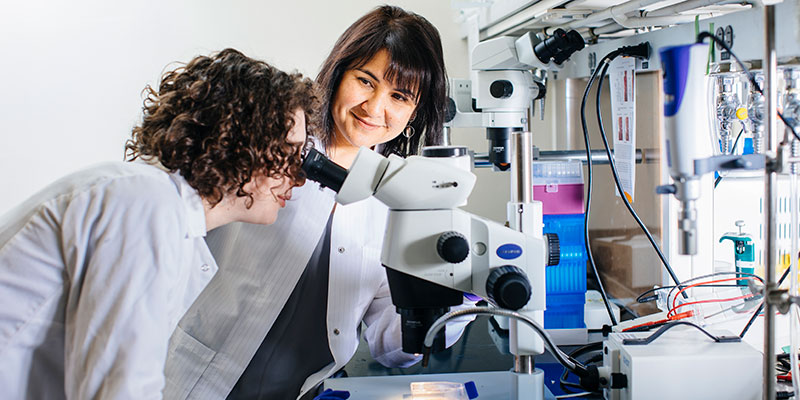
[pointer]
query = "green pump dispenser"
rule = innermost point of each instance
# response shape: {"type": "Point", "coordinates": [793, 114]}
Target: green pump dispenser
{"type": "Point", "coordinates": [744, 251]}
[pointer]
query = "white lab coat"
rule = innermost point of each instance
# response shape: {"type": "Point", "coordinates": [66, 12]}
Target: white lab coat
{"type": "Point", "coordinates": [261, 265]}
{"type": "Point", "coordinates": [95, 272]}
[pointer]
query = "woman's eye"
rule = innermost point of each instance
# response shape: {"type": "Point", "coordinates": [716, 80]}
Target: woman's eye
{"type": "Point", "coordinates": [400, 97]}
{"type": "Point", "coordinates": [365, 81]}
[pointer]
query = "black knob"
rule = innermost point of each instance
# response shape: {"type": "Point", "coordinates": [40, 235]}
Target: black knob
{"type": "Point", "coordinates": [501, 89]}
{"type": "Point", "coordinates": [553, 249]}
{"type": "Point", "coordinates": [451, 110]}
{"type": "Point", "coordinates": [541, 90]}
{"type": "Point", "coordinates": [508, 287]}
{"type": "Point", "coordinates": [452, 247]}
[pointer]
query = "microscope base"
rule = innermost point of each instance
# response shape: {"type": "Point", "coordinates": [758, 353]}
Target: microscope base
{"type": "Point", "coordinates": [493, 385]}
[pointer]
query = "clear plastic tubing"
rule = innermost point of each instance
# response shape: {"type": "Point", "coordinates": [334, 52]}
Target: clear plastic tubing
{"type": "Point", "coordinates": [794, 312]}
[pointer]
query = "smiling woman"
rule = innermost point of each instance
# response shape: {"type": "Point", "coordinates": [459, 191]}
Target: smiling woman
{"type": "Point", "coordinates": [385, 76]}
{"type": "Point", "coordinates": [370, 109]}
{"type": "Point", "coordinates": [286, 309]}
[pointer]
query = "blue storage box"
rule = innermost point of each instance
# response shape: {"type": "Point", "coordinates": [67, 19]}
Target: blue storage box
{"type": "Point", "coordinates": [566, 281]}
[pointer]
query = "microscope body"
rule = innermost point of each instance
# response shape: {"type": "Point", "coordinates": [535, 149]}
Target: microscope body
{"type": "Point", "coordinates": [433, 251]}
{"type": "Point", "coordinates": [497, 263]}
{"type": "Point", "coordinates": [503, 88]}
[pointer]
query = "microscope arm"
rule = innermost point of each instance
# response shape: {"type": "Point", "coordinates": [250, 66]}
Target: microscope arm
{"type": "Point", "coordinates": [413, 183]}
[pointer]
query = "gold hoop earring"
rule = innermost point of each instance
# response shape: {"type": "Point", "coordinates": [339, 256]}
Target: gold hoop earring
{"type": "Point", "coordinates": [408, 134]}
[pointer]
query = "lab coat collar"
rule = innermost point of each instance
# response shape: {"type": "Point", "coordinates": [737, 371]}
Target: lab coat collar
{"type": "Point", "coordinates": [193, 203]}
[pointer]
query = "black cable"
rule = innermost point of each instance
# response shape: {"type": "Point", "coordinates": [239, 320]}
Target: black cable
{"type": "Point", "coordinates": [594, 346]}
{"type": "Point", "coordinates": [750, 76]}
{"type": "Point", "coordinates": [615, 174]}
{"type": "Point", "coordinates": [565, 384]}
{"type": "Point", "coordinates": [733, 150]}
{"type": "Point", "coordinates": [761, 306]}
{"type": "Point", "coordinates": [738, 275]}
{"type": "Point", "coordinates": [645, 328]}
{"type": "Point", "coordinates": [627, 309]}
{"type": "Point", "coordinates": [670, 325]}
{"type": "Point", "coordinates": [711, 275]}
{"type": "Point", "coordinates": [588, 206]}
{"type": "Point", "coordinates": [642, 299]}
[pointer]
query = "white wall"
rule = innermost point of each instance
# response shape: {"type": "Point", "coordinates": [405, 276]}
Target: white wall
{"type": "Point", "coordinates": [72, 72]}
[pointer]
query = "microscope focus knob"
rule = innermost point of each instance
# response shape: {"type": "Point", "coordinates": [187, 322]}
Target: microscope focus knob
{"type": "Point", "coordinates": [553, 249]}
{"type": "Point", "coordinates": [452, 247]}
{"type": "Point", "coordinates": [508, 287]}
{"type": "Point", "coordinates": [501, 89]}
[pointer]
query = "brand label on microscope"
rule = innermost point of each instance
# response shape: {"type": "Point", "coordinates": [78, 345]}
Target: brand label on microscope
{"type": "Point", "coordinates": [509, 251]}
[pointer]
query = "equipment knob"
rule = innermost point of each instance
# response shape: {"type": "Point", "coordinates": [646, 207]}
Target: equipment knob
{"type": "Point", "coordinates": [451, 111]}
{"type": "Point", "coordinates": [452, 247]}
{"type": "Point", "coordinates": [553, 249]}
{"type": "Point", "coordinates": [508, 287]}
{"type": "Point", "coordinates": [666, 189]}
{"type": "Point", "coordinates": [501, 89]}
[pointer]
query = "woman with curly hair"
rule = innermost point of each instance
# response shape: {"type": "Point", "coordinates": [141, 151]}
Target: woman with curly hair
{"type": "Point", "coordinates": [286, 309]}
{"type": "Point", "coordinates": [97, 268]}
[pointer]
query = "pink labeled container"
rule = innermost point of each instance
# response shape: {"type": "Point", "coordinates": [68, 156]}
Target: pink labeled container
{"type": "Point", "coordinates": [559, 186]}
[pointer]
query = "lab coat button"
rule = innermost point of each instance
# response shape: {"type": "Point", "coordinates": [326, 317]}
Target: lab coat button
{"type": "Point", "coordinates": [204, 267]}
{"type": "Point", "coordinates": [335, 331]}
{"type": "Point", "coordinates": [341, 249]}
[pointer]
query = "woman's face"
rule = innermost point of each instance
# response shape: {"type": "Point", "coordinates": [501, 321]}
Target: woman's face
{"type": "Point", "coordinates": [270, 194]}
{"type": "Point", "coordinates": [367, 108]}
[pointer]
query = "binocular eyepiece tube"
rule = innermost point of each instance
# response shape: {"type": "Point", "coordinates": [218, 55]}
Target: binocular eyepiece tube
{"type": "Point", "coordinates": [321, 169]}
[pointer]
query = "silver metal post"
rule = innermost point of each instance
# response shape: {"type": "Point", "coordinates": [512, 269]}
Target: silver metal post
{"type": "Point", "coordinates": [599, 157]}
{"type": "Point", "coordinates": [522, 192]}
{"type": "Point", "coordinates": [523, 364]}
{"type": "Point", "coordinates": [770, 199]}
{"type": "Point", "coordinates": [521, 167]}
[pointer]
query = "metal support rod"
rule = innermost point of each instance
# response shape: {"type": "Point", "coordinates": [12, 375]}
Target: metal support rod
{"type": "Point", "coordinates": [599, 157]}
{"type": "Point", "coordinates": [523, 364]}
{"type": "Point", "coordinates": [521, 168]}
{"type": "Point", "coordinates": [522, 192]}
{"type": "Point", "coordinates": [770, 199]}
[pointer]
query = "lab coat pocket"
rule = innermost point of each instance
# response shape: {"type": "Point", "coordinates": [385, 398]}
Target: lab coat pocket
{"type": "Point", "coordinates": [187, 359]}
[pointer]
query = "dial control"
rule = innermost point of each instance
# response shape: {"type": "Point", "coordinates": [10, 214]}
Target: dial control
{"type": "Point", "coordinates": [553, 249]}
{"type": "Point", "coordinates": [452, 247]}
{"type": "Point", "coordinates": [508, 287]}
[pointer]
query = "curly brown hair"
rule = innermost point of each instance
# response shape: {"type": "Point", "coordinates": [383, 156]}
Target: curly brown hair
{"type": "Point", "coordinates": [220, 119]}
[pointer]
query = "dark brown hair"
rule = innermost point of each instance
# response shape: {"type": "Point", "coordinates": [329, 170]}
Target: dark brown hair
{"type": "Point", "coordinates": [416, 63]}
{"type": "Point", "coordinates": [220, 119]}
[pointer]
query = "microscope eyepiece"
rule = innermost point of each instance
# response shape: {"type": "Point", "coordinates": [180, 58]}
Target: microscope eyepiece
{"type": "Point", "coordinates": [321, 169]}
{"type": "Point", "coordinates": [559, 46]}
